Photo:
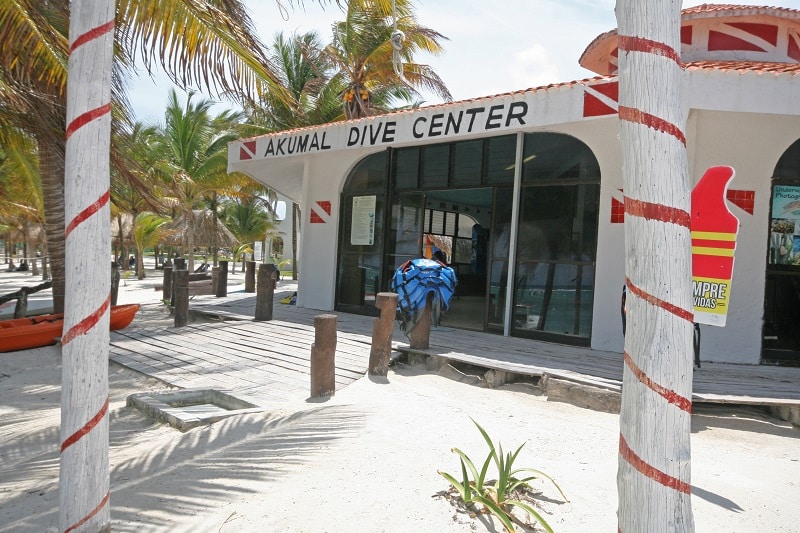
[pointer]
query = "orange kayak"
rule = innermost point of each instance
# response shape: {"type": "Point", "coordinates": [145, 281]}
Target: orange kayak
{"type": "Point", "coordinates": [44, 330]}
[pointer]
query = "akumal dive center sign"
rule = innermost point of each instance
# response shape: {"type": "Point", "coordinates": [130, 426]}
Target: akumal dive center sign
{"type": "Point", "coordinates": [403, 128]}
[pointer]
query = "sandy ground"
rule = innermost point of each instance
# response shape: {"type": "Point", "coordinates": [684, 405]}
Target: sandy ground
{"type": "Point", "coordinates": [366, 460]}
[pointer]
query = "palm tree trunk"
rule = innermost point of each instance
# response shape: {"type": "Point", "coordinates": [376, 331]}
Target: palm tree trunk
{"type": "Point", "coordinates": [45, 268]}
{"type": "Point", "coordinates": [653, 479]}
{"type": "Point", "coordinates": [190, 240]}
{"type": "Point", "coordinates": [84, 468]}
{"type": "Point", "coordinates": [51, 171]}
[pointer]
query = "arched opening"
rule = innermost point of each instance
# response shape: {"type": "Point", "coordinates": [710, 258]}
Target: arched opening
{"type": "Point", "coordinates": [781, 342]}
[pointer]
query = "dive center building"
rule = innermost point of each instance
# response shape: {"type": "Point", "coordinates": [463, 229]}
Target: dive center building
{"type": "Point", "coordinates": [523, 193]}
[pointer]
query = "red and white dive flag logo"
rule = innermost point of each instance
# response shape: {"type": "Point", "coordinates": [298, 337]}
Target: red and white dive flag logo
{"type": "Point", "coordinates": [714, 229]}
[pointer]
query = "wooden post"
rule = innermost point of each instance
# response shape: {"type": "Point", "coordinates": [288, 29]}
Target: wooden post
{"type": "Point", "coordinates": [250, 276]}
{"type": "Point", "coordinates": [214, 279]}
{"type": "Point", "coordinates": [21, 308]}
{"type": "Point", "coordinates": [166, 293]}
{"type": "Point", "coordinates": [323, 356]}
{"type": "Point", "coordinates": [382, 331]}
{"type": "Point", "coordinates": [181, 292]}
{"type": "Point", "coordinates": [420, 336]}
{"type": "Point", "coordinates": [222, 283]}
{"type": "Point", "coordinates": [265, 297]}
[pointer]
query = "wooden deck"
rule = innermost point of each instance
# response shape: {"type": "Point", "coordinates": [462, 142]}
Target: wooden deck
{"type": "Point", "coordinates": [270, 360]}
{"type": "Point", "coordinates": [266, 361]}
{"type": "Point", "coordinates": [713, 382]}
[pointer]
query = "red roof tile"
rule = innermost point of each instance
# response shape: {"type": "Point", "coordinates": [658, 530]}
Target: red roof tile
{"type": "Point", "coordinates": [716, 9]}
{"type": "Point", "coordinates": [746, 66]}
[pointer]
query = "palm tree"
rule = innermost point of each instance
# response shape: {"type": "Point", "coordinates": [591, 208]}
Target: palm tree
{"type": "Point", "coordinates": [193, 155]}
{"type": "Point", "coordinates": [309, 97]}
{"type": "Point", "coordinates": [362, 52]}
{"type": "Point", "coordinates": [147, 232]}
{"type": "Point", "coordinates": [210, 45]}
{"type": "Point", "coordinates": [21, 209]}
{"type": "Point", "coordinates": [249, 220]}
{"type": "Point", "coordinates": [135, 184]}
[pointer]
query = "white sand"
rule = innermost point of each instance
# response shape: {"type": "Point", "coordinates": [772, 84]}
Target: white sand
{"type": "Point", "coordinates": [366, 460]}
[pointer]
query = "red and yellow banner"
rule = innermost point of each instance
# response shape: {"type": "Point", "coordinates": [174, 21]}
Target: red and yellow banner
{"type": "Point", "coordinates": [714, 229]}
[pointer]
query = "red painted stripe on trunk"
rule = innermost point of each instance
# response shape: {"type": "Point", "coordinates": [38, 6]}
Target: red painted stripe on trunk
{"type": "Point", "coordinates": [638, 44]}
{"type": "Point", "coordinates": [650, 471]}
{"type": "Point", "coordinates": [87, 323]}
{"type": "Point", "coordinates": [659, 212]}
{"type": "Point", "coordinates": [87, 117]}
{"type": "Point", "coordinates": [89, 426]}
{"type": "Point", "coordinates": [92, 34]}
{"type": "Point", "coordinates": [86, 518]}
{"type": "Point", "coordinates": [651, 121]}
{"type": "Point", "coordinates": [89, 211]}
{"type": "Point", "coordinates": [674, 309]}
{"type": "Point", "coordinates": [683, 403]}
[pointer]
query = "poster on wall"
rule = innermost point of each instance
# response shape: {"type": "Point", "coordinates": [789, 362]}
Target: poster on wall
{"type": "Point", "coordinates": [362, 229]}
{"type": "Point", "coordinates": [784, 236]}
{"type": "Point", "coordinates": [714, 230]}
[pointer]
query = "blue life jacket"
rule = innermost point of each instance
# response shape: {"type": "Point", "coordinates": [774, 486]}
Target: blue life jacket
{"type": "Point", "coordinates": [413, 281]}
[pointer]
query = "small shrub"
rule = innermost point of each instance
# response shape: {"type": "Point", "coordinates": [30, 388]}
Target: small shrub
{"type": "Point", "coordinates": [502, 495]}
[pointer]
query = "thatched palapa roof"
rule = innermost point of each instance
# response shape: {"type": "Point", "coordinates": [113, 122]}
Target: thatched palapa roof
{"type": "Point", "coordinates": [208, 231]}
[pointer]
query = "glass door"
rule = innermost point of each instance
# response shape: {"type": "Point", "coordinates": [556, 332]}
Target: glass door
{"type": "Point", "coordinates": [781, 342]}
{"type": "Point", "coordinates": [404, 242]}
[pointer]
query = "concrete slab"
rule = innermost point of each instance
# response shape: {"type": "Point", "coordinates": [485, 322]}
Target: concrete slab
{"type": "Point", "coordinates": [185, 409]}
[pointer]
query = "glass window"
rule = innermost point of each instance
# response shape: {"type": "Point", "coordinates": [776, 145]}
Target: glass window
{"type": "Point", "coordinates": [497, 292]}
{"type": "Point", "coordinates": [557, 157]}
{"type": "Point", "coordinates": [368, 175]}
{"type": "Point", "coordinates": [435, 165]}
{"type": "Point", "coordinates": [406, 225]}
{"type": "Point", "coordinates": [465, 225]}
{"type": "Point", "coordinates": [467, 163]}
{"type": "Point", "coordinates": [500, 154]}
{"type": "Point", "coordinates": [554, 298]}
{"type": "Point", "coordinates": [463, 251]}
{"type": "Point", "coordinates": [545, 223]}
{"type": "Point", "coordinates": [788, 167]}
{"type": "Point", "coordinates": [502, 223]}
{"type": "Point", "coordinates": [347, 238]}
{"type": "Point", "coordinates": [435, 222]}
{"type": "Point", "coordinates": [407, 168]}
{"type": "Point", "coordinates": [358, 279]}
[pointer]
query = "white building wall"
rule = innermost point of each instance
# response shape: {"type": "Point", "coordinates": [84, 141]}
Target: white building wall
{"type": "Point", "coordinates": [753, 151]}
{"type": "Point", "coordinates": [323, 182]}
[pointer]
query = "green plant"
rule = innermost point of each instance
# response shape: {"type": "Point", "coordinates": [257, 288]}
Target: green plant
{"type": "Point", "coordinates": [502, 495]}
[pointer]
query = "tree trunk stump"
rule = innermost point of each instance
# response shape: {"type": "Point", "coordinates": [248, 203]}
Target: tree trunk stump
{"type": "Point", "coordinates": [250, 276]}
{"type": "Point", "coordinates": [419, 337]}
{"type": "Point", "coordinates": [265, 297]}
{"type": "Point", "coordinates": [323, 356]}
{"type": "Point", "coordinates": [181, 291]}
{"type": "Point", "coordinates": [382, 331]}
{"type": "Point", "coordinates": [222, 281]}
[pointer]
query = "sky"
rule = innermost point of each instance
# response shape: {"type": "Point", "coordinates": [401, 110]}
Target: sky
{"type": "Point", "coordinates": [492, 47]}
